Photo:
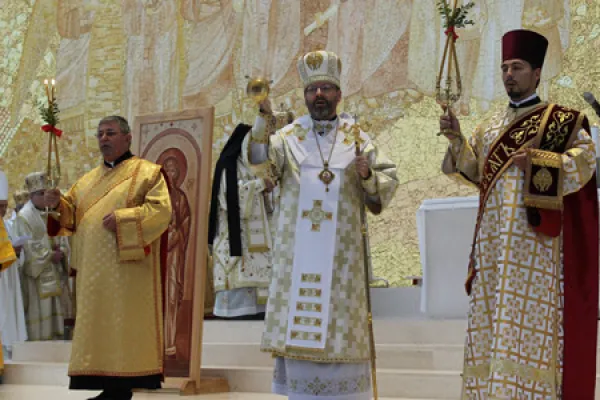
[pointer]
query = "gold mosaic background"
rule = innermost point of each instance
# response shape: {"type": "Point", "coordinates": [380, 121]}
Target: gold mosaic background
{"type": "Point", "coordinates": [136, 57]}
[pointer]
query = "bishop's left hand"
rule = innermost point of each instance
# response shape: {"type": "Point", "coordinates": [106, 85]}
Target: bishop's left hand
{"type": "Point", "coordinates": [362, 166]}
{"type": "Point", "coordinates": [520, 159]}
{"type": "Point", "coordinates": [110, 222]}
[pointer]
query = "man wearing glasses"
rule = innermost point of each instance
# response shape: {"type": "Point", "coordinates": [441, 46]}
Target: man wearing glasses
{"type": "Point", "coordinates": [316, 318]}
{"type": "Point", "coordinates": [117, 214]}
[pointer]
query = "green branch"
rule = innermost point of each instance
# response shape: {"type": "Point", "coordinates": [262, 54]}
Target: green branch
{"type": "Point", "coordinates": [456, 18]}
{"type": "Point", "coordinates": [49, 114]}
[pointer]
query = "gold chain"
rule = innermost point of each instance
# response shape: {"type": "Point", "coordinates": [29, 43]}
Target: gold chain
{"type": "Point", "coordinates": [326, 163]}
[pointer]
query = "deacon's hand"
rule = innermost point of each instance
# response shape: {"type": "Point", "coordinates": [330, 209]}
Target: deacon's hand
{"type": "Point", "coordinates": [110, 222]}
{"type": "Point", "coordinates": [449, 122]}
{"type": "Point", "coordinates": [265, 107]}
{"type": "Point", "coordinates": [52, 198]}
{"type": "Point", "coordinates": [520, 159]}
{"type": "Point", "coordinates": [362, 166]}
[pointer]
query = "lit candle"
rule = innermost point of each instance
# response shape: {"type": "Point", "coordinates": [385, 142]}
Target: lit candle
{"type": "Point", "coordinates": [47, 91]}
{"type": "Point", "coordinates": [53, 89]}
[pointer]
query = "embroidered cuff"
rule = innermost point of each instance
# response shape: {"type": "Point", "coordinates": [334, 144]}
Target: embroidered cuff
{"type": "Point", "coordinates": [130, 242]}
{"type": "Point", "coordinates": [543, 180]}
{"type": "Point", "coordinates": [264, 126]}
{"type": "Point", "coordinates": [370, 185]}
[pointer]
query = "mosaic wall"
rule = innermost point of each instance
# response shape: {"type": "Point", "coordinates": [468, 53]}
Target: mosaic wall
{"type": "Point", "coordinates": [137, 57]}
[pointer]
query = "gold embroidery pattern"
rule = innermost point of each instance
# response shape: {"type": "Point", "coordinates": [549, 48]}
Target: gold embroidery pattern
{"type": "Point", "coordinates": [546, 159]}
{"type": "Point", "coordinates": [308, 321]}
{"type": "Point", "coordinates": [542, 180]}
{"type": "Point", "coordinates": [307, 336]}
{"type": "Point", "coordinates": [310, 307]}
{"type": "Point", "coordinates": [529, 128]}
{"type": "Point", "coordinates": [307, 292]}
{"type": "Point", "coordinates": [558, 129]}
{"type": "Point", "coordinates": [511, 368]}
{"type": "Point", "coordinates": [314, 60]}
{"type": "Point", "coordinates": [311, 278]}
{"type": "Point", "coordinates": [317, 215]}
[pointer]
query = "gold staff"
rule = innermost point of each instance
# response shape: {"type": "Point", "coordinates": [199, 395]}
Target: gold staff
{"type": "Point", "coordinates": [365, 239]}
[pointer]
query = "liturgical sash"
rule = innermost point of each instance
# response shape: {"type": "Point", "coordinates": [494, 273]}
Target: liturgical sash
{"type": "Point", "coordinates": [547, 128]}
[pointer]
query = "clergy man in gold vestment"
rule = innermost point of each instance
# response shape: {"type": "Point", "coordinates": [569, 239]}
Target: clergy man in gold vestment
{"type": "Point", "coordinates": [117, 214]}
{"type": "Point", "coordinates": [533, 277]}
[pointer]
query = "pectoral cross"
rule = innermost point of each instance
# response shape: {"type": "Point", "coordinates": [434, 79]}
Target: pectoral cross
{"type": "Point", "coordinates": [317, 215]}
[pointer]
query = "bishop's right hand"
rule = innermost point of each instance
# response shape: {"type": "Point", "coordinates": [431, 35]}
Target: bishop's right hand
{"type": "Point", "coordinates": [449, 123]}
{"type": "Point", "coordinates": [265, 107]}
{"type": "Point", "coordinates": [52, 198]}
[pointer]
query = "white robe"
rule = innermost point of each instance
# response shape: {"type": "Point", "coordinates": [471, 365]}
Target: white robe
{"type": "Point", "coordinates": [12, 314]}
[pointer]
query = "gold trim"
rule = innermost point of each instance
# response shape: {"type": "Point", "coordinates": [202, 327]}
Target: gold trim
{"type": "Point", "coordinates": [341, 360]}
{"type": "Point", "coordinates": [311, 278]}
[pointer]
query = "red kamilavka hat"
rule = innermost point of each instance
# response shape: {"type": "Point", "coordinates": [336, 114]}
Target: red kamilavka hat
{"type": "Point", "coordinates": [524, 45]}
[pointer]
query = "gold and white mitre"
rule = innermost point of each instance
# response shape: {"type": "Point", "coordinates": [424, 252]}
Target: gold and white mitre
{"type": "Point", "coordinates": [320, 66]}
{"type": "Point", "coordinates": [36, 181]}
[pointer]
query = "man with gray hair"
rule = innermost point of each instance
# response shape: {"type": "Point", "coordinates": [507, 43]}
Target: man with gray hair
{"type": "Point", "coordinates": [118, 215]}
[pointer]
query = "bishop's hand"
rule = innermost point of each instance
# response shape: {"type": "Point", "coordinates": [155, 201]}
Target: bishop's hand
{"type": "Point", "coordinates": [265, 107]}
{"type": "Point", "coordinates": [362, 166]}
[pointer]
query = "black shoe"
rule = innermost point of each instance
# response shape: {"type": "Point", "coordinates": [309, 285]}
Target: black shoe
{"type": "Point", "coordinates": [119, 395]}
{"type": "Point", "coordinates": [101, 396]}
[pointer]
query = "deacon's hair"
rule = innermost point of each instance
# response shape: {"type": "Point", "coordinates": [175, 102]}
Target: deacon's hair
{"type": "Point", "coordinates": [123, 124]}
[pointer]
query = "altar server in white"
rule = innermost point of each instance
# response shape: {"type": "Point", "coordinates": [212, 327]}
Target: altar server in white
{"type": "Point", "coordinates": [12, 314]}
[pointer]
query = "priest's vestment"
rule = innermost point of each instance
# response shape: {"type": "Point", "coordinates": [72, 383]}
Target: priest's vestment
{"type": "Point", "coordinates": [119, 322]}
{"type": "Point", "coordinates": [42, 278]}
{"type": "Point", "coordinates": [241, 282]}
{"type": "Point", "coordinates": [316, 317]}
{"type": "Point", "coordinates": [12, 314]}
{"type": "Point", "coordinates": [7, 258]}
{"type": "Point", "coordinates": [533, 276]}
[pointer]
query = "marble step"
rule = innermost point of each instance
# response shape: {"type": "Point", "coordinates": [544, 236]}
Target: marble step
{"type": "Point", "coordinates": [387, 331]}
{"type": "Point", "coordinates": [392, 383]}
{"type": "Point", "coordinates": [403, 383]}
{"type": "Point", "coordinates": [399, 356]}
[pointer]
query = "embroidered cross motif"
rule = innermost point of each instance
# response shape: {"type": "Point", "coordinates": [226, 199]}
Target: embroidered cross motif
{"type": "Point", "coordinates": [317, 215]}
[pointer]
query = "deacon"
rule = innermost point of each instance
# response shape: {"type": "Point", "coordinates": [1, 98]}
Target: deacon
{"type": "Point", "coordinates": [12, 314]}
{"type": "Point", "coordinates": [240, 230]}
{"type": "Point", "coordinates": [533, 276]}
{"type": "Point", "coordinates": [316, 323]}
{"type": "Point", "coordinates": [45, 263]}
{"type": "Point", "coordinates": [7, 258]}
{"type": "Point", "coordinates": [117, 213]}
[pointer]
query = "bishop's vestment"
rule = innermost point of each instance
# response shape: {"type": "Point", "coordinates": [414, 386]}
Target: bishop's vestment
{"type": "Point", "coordinates": [316, 318]}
